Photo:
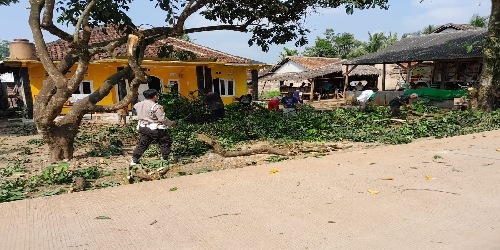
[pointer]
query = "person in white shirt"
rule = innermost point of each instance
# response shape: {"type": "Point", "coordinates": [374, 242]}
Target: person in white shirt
{"type": "Point", "coordinates": [366, 96]}
{"type": "Point", "coordinates": [359, 87]}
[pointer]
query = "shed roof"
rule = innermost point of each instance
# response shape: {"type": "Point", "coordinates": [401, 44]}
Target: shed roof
{"type": "Point", "coordinates": [333, 68]}
{"type": "Point", "coordinates": [465, 44]}
{"type": "Point", "coordinates": [310, 63]}
{"type": "Point", "coordinates": [59, 48]}
{"type": "Point", "coordinates": [458, 27]}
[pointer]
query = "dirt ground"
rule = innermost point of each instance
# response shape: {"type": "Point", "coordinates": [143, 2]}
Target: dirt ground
{"type": "Point", "coordinates": [15, 138]}
{"type": "Point", "coordinates": [427, 195]}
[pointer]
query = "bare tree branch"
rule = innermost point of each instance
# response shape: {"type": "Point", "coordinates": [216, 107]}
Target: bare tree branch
{"type": "Point", "coordinates": [190, 8]}
{"type": "Point", "coordinates": [45, 116]}
{"type": "Point", "coordinates": [34, 22]}
{"type": "Point", "coordinates": [83, 20]}
{"type": "Point", "coordinates": [48, 24]}
{"type": "Point", "coordinates": [241, 28]}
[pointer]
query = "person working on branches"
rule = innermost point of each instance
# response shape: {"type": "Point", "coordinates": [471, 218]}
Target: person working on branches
{"type": "Point", "coordinates": [290, 104]}
{"type": "Point", "coordinates": [214, 102]}
{"type": "Point", "coordinates": [364, 97]}
{"type": "Point", "coordinates": [246, 102]}
{"type": "Point", "coordinates": [152, 126]}
{"type": "Point", "coordinates": [396, 103]}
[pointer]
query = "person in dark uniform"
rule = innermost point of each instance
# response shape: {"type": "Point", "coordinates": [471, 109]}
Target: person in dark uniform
{"type": "Point", "coordinates": [152, 126]}
{"type": "Point", "coordinates": [214, 102]}
{"type": "Point", "coordinates": [396, 103]}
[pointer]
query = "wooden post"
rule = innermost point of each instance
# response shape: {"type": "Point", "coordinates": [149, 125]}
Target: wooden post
{"type": "Point", "coordinates": [22, 80]}
{"type": "Point", "coordinates": [443, 74]}
{"type": "Point", "coordinates": [408, 72]}
{"type": "Point", "coordinates": [433, 74]}
{"type": "Point", "coordinates": [383, 78]}
{"type": "Point", "coordinates": [255, 84]}
{"type": "Point", "coordinates": [346, 78]}
{"type": "Point", "coordinates": [311, 95]}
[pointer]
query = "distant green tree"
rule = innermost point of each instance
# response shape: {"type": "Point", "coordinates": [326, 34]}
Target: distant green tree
{"type": "Point", "coordinates": [4, 49]}
{"type": "Point", "coordinates": [376, 42]}
{"type": "Point", "coordinates": [479, 21]}
{"type": "Point", "coordinates": [322, 48]}
{"type": "Point", "coordinates": [288, 52]}
{"type": "Point", "coordinates": [345, 43]}
{"type": "Point", "coordinates": [428, 29]}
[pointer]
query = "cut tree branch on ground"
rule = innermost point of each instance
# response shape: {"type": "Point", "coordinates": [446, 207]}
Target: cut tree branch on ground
{"type": "Point", "coordinates": [260, 150]}
{"type": "Point", "coordinates": [221, 151]}
{"type": "Point", "coordinates": [393, 119]}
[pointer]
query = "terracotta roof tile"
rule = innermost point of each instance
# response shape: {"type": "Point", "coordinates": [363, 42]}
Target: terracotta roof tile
{"type": "Point", "coordinates": [58, 49]}
{"type": "Point", "coordinates": [454, 26]}
{"type": "Point", "coordinates": [310, 63]}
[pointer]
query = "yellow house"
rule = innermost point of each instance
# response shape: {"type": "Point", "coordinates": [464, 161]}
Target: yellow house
{"type": "Point", "coordinates": [211, 70]}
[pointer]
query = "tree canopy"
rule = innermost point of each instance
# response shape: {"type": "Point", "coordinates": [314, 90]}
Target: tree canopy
{"type": "Point", "coordinates": [4, 49]}
{"type": "Point", "coordinates": [288, 52]}
{"type": "Point", "coordinates": [345, 45]}
{"type": "Point", "coordinates": [479, 21]}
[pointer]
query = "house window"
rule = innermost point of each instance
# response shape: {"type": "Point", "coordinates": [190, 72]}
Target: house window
{"type": "Point", "coordinates": [225, 87]}
{"type": "Point", "coordinates": [85, 88]}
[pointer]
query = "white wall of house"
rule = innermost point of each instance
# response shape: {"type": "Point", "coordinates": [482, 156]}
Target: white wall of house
{"type": "Point", "coordinates": [393, 76]}
{"type": "Point", "coordinates": [290, 66]}
{"type": "Point", "coordinates": [449, 30]}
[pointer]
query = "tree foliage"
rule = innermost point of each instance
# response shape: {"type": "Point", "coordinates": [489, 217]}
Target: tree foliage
{"type": "Point", "coordinates": [288, 52]}
{"type": "Point", "coordinates": [345, 45]}
{"type": "Point", "coordinates": [4, 49]}
{"type": "Point", "coordinates": [479, 21]}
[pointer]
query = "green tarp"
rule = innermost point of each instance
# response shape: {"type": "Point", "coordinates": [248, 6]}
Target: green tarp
{"type": "Point", "coordinates": [437, 94]}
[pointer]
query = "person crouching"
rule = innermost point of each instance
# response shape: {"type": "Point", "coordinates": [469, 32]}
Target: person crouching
{"type": "Point", "coordinates": [364, 97]}
{"type": "Point", "coordinates": [397, 102]}
{"type": "Point", "coordinates": [152, 126]}
{"type": "Point", "coordinates": [290, 104]}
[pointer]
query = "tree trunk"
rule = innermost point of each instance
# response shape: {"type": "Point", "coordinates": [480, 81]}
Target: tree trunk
{"type": "Point", "coordinates": [489, 89]}
{"type": "Point", "coordinates": [60, 139]}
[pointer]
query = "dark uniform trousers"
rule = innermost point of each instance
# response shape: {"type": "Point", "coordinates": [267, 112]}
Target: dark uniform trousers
{"type": "Point", "coordinates": [148, 136]}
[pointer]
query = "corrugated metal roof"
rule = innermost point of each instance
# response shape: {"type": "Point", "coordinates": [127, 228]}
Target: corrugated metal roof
{"type": "Point", "coordinates": [441, 46]}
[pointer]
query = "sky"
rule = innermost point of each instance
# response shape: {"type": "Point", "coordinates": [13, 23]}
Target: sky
{"type": "Point", "coordinates": [403, 16]}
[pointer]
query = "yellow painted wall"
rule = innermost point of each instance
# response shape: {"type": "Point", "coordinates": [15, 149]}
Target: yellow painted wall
{"type": "Point", "coordinates": [239, 76]}
{"type": "Point", "coordinates": [166, 71]}
{"type": "Point", "coordinates": [97, 73]}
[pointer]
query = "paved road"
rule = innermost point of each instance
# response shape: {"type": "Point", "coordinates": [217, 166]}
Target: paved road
{"type": "Point", "coordinates": [314, 203]}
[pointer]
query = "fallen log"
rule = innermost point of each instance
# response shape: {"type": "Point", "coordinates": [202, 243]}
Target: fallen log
{"type": "Point", "coordinates": [427, 115]}
{"type": "Point", "coordinates": [261, 150]}
{"type": "Point", "coordinates": [390, 119]}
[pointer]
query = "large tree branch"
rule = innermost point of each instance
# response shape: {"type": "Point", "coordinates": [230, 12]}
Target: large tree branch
{"type": "Point", "coordinates": [83, 20]}
{"type": "Point", "coordinates": [48, 24]}
{"type": "Point", "coordinates": [241, 28]}
{"type": "Point", "coordinates": [34, 22]}
{"type": "Point", "coordinates": [77, 78]}
{"type": "Point", "coordinates": [190, 8]}
{"type": "Point", "coordinates": [45, 112]}
{"type": "Point", "coordinates": [88, 104]}
{"type": "Point", "coordinates": [131, 96]}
